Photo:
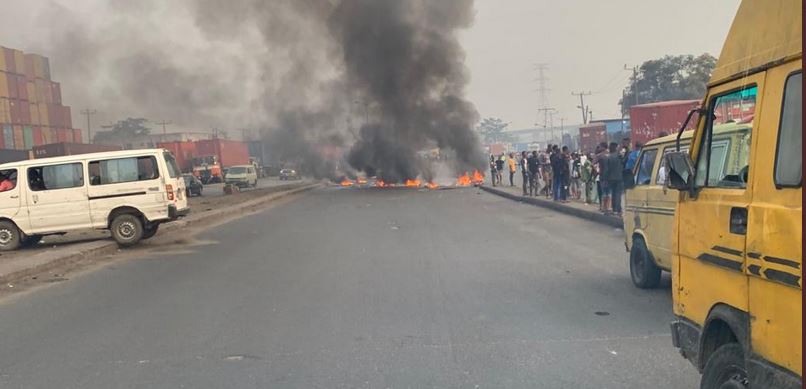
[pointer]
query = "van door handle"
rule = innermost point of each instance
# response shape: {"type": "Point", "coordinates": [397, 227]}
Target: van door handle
{"type": "Point", "coordinates": [738, 221]}
{"type": "Point", "coordinates": [15, 196]}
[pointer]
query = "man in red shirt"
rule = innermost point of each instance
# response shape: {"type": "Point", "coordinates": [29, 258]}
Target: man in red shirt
{"type": "Point", "coordinates": [6, 183]}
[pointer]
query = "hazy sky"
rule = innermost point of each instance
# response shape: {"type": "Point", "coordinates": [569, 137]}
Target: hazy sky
{"type": "Point", "coordinates": [585, 43]}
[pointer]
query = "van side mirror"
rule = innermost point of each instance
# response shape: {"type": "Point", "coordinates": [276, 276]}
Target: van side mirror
{"type": "Point", "coordinates": [681, 171]}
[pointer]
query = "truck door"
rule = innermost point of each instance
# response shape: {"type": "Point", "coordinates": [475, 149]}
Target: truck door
{"type": "Point", "coordinates": [774, 240]}
{"type": "Point", "coordinates": [712, 225]}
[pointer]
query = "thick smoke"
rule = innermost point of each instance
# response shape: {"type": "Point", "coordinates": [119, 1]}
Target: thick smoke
{"type": "Point", "coordinates": [304, 73]}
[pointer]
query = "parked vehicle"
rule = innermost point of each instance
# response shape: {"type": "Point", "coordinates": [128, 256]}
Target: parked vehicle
{"type": "Point", "coordinates": [650, 205]}
{"type": "Point", "coordinates": [289, 174]}
{"type": "Point", "coordinates": [737, 235]}
{"type": "Point", "coordinates": [241, 176]}
{"type": "Point", "coordinates": [193, 186]}
{"type": "Point", "coordinates": [129, 193]}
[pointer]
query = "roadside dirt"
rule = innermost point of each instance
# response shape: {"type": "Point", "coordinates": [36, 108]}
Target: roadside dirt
{"type": "Point", "coordinates": [164, 243]}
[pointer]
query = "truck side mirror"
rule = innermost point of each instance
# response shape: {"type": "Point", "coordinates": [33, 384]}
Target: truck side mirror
{"type": "Point", "coordinates": [681, 171]}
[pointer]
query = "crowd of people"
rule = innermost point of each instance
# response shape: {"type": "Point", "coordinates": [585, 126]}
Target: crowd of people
{"type": "Point", "coordinates": [562, 175]}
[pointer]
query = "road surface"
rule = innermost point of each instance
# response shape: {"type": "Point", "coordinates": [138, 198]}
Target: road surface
{"type": "Point", "coordinates": [364, 288]}
{"type": "Point", "coordinates": [215, 190]}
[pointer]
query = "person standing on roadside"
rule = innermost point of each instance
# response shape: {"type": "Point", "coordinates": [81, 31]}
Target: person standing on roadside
{"type": "Point", "coordinates": [587, 176]}
{"type": "Point", "coordinates": [512, 168]}
{"type": "Point", "coordinates": [524, 171]}
{"type": "Point", "coordinates": [534, 169]}
{"type": "Point", "coordinates": [492, 169]}
{"type": "Point", "coordinates": [556, 162]}
{"type": "Point", "coordinates": [613, 168]}
{"type": "Point", "coordinates": [575, 186]}
{"type": "Point", "coordinates": [499, 169]}
{"type": "Point", "coordinates": [601, 182]}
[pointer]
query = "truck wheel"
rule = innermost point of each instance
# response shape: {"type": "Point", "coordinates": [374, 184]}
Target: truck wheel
{"type": "Point", "coordinates": [30, 240]}
{"type": "Point", "coordinates": [127, 229]}
{"type": "Point", "coordinates": [725, 369]}
{"type": "Point", "coordinates": [150, 231]}
{"type": "Point", "coordinates": [643, 271]}
{"type": "Point", "coordinates": [10, 236]}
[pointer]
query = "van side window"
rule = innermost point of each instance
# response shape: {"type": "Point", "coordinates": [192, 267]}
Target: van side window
{"type": "Point", "coordinates": [115, 171]}
{"type": "Point", "coordinates": [724, 159]}
{"type": "Point", "coordinates": [645, 165]}
{"type": "Point", "coordinates": [8, 180]}
{"type": "Point", "coordinates": [661, 178]}
{"type": "Point", "coordinates": [68, 175]}
{"type": "Point", "coordinates": [173, 168]}
{"type": "Point", "coordinates": [788, 163]}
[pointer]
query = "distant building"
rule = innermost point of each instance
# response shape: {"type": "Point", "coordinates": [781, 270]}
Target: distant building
{"type": "Point", "coordinates": [151, 140]}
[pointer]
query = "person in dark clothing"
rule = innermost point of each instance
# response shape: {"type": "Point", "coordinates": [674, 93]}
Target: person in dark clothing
{"type": "Point", "coordinates": [556, 160]}
{"type": "Point", "coordinates": [565, 173]}
{"type": "Point", "coordinates": [499, 169]}
{"type": "Point", "coordinates": [612, 172]}
{"type": "Point", "coordinates": [524, 171]}
{"type": "Point", "coordinates": [492, 169]}
{"type": "Point", "coordinates": [534, 169]}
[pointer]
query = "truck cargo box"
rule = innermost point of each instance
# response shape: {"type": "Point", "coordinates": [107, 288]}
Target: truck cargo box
{"type": "Point", "coordinates": [650, 121]}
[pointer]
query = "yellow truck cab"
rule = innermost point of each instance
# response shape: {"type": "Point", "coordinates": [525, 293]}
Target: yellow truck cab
{"type": "Point", "coordinates": [736, 236]}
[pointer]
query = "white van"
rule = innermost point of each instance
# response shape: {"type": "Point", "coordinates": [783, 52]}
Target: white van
{"type": "Point", "coordinates": [128, 192]}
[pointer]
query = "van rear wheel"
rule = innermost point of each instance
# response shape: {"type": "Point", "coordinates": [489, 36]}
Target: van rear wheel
{"type": "Point", "coordinates": [10, 236]}
{"type": "Point", "coordinates": [643, 271]}
{"type": "Point", "coordinates": [725, 369]}
{"type": "Point", "coordinates": [127, 229]}
{"type": "Point", "coordinates": [30, 240]}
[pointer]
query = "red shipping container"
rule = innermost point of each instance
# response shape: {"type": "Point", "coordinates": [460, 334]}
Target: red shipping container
{"type": "Point", "coordinates": [650, 121]}
{"type": "Point", "coordinates": [67, 117]}
{"type": "Point", "coordinates": [11, 80]}
{"type": "Point", "coordinates": [61, 136]}
{"type": "Point", "coordinates": [8, 54]}
{"type": "Point", "coordinates": [182, 151]}
{"type": "Point", "coordinates": [54, 115]}
{"type": "Point", "coordinates": [229, 152]}
{"type": "Point", "coordinates": [38, 136]}
{"type": "Point", "coordinates": [591, 135]}
{"type": "Point", "coordinates": [22, 88]}
{"type": "Point", "coordinates": [56, 90]}
{"type": "Point", "coordinates": [77, 136]}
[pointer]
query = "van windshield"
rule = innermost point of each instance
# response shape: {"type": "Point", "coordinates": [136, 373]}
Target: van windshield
{"type": "Point", "coordinates": [236, 170]}
{"type": "Point", "coordinates": [173, 169]}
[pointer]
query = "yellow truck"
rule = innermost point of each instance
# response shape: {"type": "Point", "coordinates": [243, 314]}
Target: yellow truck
{"type": "Point", "coordinates": [736, 256]}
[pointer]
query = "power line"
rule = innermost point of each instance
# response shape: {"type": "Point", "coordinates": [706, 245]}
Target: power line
{"type": "Point", "coordinates": [542, 90]}
{"type": "Point", "coordinates": [163, 124]}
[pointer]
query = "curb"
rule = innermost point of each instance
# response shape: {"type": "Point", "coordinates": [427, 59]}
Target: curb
{"type": "Point", "coordinates": [580, 213]}
{"type": "Point", "coordinates": [49, 260]}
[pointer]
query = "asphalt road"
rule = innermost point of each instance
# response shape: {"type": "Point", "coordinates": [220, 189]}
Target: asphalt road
{"type": "Point", "coordinates": [364, 288]}
{"type": "Point", "coordinates": [215, 190]}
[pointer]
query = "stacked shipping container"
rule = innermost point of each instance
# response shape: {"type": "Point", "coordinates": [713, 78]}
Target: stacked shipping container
{"type": "Point", "coordinates": [31, 110]}
{"type": "Point", "coordinates": [650, 121]}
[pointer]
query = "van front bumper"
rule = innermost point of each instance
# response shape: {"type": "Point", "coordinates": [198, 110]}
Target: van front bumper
{"type": "Point", "coordinates": [174, 213]}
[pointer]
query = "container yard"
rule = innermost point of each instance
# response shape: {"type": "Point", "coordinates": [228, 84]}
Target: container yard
{"type": "Point", "coordinates": [208, 157]}
{"type": "Point", "coordinates": [31, 110]}
{"type": "Point", "coordinates": [650, 121]}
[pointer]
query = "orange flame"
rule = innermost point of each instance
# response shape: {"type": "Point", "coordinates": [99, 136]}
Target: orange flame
{"type": "Point", "coordinates": [412, 183]}
{"type": "Point", "coordinates": [346, 182]}
{"type": "Point", "coordinates": [362, 181]}
{"type": "Point", "coordinates": [478, 178]}
{"type": "Point", "coordinates": [380, 184]}
{"type": "Point", "coordinates": [431, 185]}
{"type": "Point", "coordinates": [463, 180]}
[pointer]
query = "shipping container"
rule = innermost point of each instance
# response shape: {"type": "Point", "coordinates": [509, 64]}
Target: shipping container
{"type": "Point", "coordinates": [64, 148]}
{"type": "Point", "coordinates": [77, 136]}
{"type": "Point", "coordinates": [29, 67]}
{"type": "Point", "coordinates": [28, 137]}
{"type": "Point", "coordinates": [4, 92]}
{"type": "Point", "coordinates": [10, 155]}
{"type": "Point", "coordinates": [5, 111]}
{"type": "Point", "coordinates": [591, 135]}
{"type": "Point", "coordinates": [184, 152]}
{"type": "Point", "coordinates": [19, 138]}
{"type": "Point", "coordinates": [25, 112]}
{"type": "Point", "coordinates": [56, 91]}
{"type": "Point", "coordinates": [67, 116]}
{"type": "Point", "coordinates": [228, 152]}
{"type": "Point", "coordinates": [650, 121]}
{"type": "Point", "coordinates": [3, 66]}
{"type": "Point", "coordinates": [44, 114]}
{"type": "Point", "coordinates": [42, 88]}
{"type": "Point", "coordinates": [32, 95]}
{"type": "Point", "coordinates": [48, 136]}
{"type": "Point", "coordinates": [38, 65]}
{"type": "Point", "coordinates": [19, 62]}
{"type": "Point", "coordinates": [46, 68]}
{"type": "Point", "coordinates": [22, 87]}
{"type": "Point", "coordinates": [38, 140]}
{"type": "Point", "coordinates": [8, 136]}
{"type": "Point", "coordinates": [11, 82]}
{"type": "Point", "coordinates": [14, 106]}
{"type": "Point", "coordinates": [8, 55]}
{"type": "Point", "coordinates": [62, 136]}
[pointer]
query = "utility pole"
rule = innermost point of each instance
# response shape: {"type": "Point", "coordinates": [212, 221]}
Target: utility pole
{"type": "Point", "coordinates": [634, 83]}
{"type": "Point", "coordinates": [546, 112]}
{"type": "Point", "coordinates": [582, 105]}
{"type": "Point", "coordinates": [89, 112]}
{"type": "Point", "coordinates": [163, 124]}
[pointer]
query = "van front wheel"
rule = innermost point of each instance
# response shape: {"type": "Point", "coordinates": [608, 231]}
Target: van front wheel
{"type": "Point", "coordinates": [127, 229]}
{"type": "Point", "coordinates": [643, 271]}
{"type": "Point", "coordinates": [9, 236]}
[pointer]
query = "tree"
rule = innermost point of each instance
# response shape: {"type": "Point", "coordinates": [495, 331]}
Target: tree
{"type": "Point", "coordinates": [492, 129]}
{"type": "Point", "coordinates": [680, 77]}
{"type": "Point", "coordinates": [123, 129]}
